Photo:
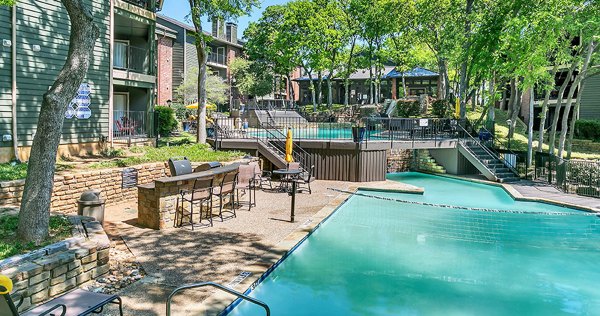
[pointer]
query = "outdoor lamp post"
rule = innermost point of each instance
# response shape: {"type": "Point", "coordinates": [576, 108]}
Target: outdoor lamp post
{"type": "Point", "coordinates": [509, 122]}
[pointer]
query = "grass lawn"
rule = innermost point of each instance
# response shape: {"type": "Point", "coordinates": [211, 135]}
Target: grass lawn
{"type": "Point", "coordinates": [519, 140]}
{"type": "Point", "coordinates": [60, 228]}
{"type": "Point", "coordinates": [194, 152]}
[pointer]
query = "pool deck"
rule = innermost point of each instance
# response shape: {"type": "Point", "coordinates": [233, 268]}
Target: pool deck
{"type": "Point", "coordinates": [252, 243]}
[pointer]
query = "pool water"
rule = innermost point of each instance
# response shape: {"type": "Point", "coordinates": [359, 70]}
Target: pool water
{"type": "Point", "coordinates": [382, 257]}
{"type": "Point", "coordinates": [317, 133]}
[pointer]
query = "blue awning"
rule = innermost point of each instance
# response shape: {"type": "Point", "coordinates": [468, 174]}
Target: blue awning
{"type": "Point", "coordinates": [415, 72]}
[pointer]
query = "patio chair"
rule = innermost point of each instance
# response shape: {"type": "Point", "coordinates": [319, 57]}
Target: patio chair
{"type": "Point", "coordinates": [226, 188]}
{"type": "Point", "coordinates": [304, 180]}
{"type": "Point", "coordinates": [261, 178]}
{"type": "Point", "coordinates": [77, 302]}
{"type": "Point", "coordinates": [201, 193]}
{"type": "Point", "coordinates": [245, 182]}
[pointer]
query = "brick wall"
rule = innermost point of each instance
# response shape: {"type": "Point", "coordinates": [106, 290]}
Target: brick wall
{"type": "Point", "coordinates": [399, 160]}
{"type": "Point", "coordinates": [165, 70]}
{"type": "Point", "coordinates": [51, 271]}
{"type": "Point", "coordinates": [68, 188]}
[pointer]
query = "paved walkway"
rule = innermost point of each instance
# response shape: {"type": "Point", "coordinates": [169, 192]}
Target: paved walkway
{"type": "Point", "coordinates": [534, 189]}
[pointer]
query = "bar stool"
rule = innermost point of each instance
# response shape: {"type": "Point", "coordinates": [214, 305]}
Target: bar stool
{"type": "Point", "coordinates": [226, 187]}
{"type": "Point", "coordinates": [201, 193]}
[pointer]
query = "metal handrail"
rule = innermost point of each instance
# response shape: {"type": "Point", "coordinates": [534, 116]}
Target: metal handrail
{"type": "Point", "coordinates": [487, 150]}
{"type": "Point", "coordinates": [300, 158]}
{"type": "Point", "coordinates": [220, 287]}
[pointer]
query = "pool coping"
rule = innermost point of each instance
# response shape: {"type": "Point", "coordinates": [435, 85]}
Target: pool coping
{"type": "Point", "coordinates": [516, 195]}
{"type": "Point", "coordinates": [222, 303]}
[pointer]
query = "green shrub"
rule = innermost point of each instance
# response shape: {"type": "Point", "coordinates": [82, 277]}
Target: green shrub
{"type": "Point", "coordinates": [181, 112]}
{"type": "Point", "coordinates": [166, 120]}
{"type": "Point", "coordinates": [111, 152]}
{"type": "Point", "coordinates": [12, 171]}
{"type": "Point", "coordinates": [441, 108]}
{"type": "Point", "coordinates": [408, 108]}
{"type": "Point", "coordinates": [587, 129]}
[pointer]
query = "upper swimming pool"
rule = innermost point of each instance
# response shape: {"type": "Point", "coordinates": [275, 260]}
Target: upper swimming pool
{"type": "Point", "coordinates": [380, 256]}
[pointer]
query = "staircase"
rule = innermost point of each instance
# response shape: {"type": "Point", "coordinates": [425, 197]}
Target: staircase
{"type": "Point", "coordinates": [272, 147]}
{"type": "Point", "coordinates": [427, 163]}
{"type": "Point", "coordinates": [487, 162]}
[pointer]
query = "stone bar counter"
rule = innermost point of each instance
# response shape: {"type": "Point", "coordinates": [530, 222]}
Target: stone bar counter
{"type": "Point", "coordinates": [157, 200]}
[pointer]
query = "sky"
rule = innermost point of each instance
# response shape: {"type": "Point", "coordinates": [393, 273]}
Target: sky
{"type": "Point", "coordinates": [178, 9]}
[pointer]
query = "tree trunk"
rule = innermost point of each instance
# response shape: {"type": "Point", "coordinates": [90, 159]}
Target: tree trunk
{"type": "Point", "coordinates": [202, 57]}
{"type": "Point", "coordinates": [320, 88]}
{"type": "Point", "coordinates": [312, 91]}
{"type": "Point", "coordinates": [403, 86]}
{"type": "Point", "coordinates": [442, 79]}
{"type": "Point", "coordinates": [530, 130]}
{"type": "Point", "coordinates": [561, 92]}
{"type": "Point", "coordinates": [513, 95]}
{"type": "Point", "coordinates": [515, 109]}
{"type": "Point", "coordinates": [291, 88]}
{"type": "Point", "coordinates": [575, 118]}
{"type": "Point", "coordinates": [201, 132]}
{"type": "Point", "coordinates": [544, 112]}
{"type": "Point", "coordinates": [370, 83]}
{"type": "Point", "coordinates": [34, 214]}
{"type": "Point", "coordinates": [329, 92]}
{"type": "Point", "coordinates": [565, 119]}
{"type": "Point", "coordinates": [346, 91]}
{"type": "Point", "coordinates": [463, 67]}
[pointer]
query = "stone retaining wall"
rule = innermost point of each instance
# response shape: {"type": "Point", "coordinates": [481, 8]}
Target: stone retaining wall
{"type": "Point", "coordinates": [49, 272]}
{"type": "Point", "coordinates": [68, 188]}
{"type": "Point", "coordinates": [399, 160]}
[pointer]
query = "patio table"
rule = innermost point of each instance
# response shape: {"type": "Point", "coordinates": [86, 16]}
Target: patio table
{"type": "Point", "coordinates": [291, 174]}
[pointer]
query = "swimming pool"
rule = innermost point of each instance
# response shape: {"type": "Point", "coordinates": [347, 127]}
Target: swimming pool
{"type": "Point", "coordinates": [381, 257]}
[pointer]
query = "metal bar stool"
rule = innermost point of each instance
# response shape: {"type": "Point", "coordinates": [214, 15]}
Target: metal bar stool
{"type": "Point", "coordinates": [201, 193]}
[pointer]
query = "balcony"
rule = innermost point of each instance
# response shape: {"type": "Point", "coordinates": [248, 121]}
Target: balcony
{"type": "Point", "coordinates": [145, 4]}
{"type": "Point", "coordinates": [219, 59]}
{"type": "Point", "coordinates": [130, 58]}
{"type": "Point", "coordinates": [133, 125]}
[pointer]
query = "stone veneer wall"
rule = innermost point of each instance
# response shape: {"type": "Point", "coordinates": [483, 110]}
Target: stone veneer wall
{"type": "Point", "coordinates": [68, 188]}
{"type": "Point", "coordinates": [399, 160]}
{"type": "Point", "coordinates": [49, 272]}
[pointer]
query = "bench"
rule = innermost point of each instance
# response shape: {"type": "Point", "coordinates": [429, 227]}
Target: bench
{"type": "Point", "coordinates": [75, 303]}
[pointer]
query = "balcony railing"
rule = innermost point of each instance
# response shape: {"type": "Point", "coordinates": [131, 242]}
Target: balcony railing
{"type": "Point", "coordinates": [146, 4]}
{"type": "Point", "coordinates": [220, 59]}
{"type": "Point", "coordinates": [127, 57]}
{"type": "Point", "coordinates": [133, 124]}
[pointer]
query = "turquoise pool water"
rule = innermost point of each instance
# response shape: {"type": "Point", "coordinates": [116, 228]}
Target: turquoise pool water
{"type": "Point", "coordinates": [317, 133]}
{"type": "Point", "coordinates": [381, 257]}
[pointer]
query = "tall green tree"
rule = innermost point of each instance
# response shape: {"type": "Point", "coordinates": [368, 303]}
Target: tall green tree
{"type": "Point", "coordinates": [216, 88]}
{"type": "Point", "coordinates": [251, 78]}
{"type": "Point", "coordinates": [34, 214]}
{"type": "Point", "coordinates": [213, 9]}
{"type": "Point", "coordinates": [272, 45]}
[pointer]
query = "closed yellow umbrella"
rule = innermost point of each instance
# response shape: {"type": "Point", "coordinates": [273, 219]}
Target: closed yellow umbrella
{"type": "Point", "coordinates": [457, 108]}
{"type": "Point", "coordinates": [289, 146]}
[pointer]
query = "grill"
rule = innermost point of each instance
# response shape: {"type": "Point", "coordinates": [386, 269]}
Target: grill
{"type": "Point", "coordinates": [180, 167]}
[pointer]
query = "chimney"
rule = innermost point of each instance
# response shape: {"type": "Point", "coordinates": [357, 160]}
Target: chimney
{"type": "Point", "coordinates": [218, 28]}
{"type": "Point", "coordinates": [231, 32]}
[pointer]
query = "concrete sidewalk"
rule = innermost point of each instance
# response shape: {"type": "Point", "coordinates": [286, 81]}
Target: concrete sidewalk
{"type": "Point", "coordinates": [541, 190]}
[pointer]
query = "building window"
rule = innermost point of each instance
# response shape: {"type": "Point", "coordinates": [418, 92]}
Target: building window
{"type": "Point", "coordinates": [120, 54]}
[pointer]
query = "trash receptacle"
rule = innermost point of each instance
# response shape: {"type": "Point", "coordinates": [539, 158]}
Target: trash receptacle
{"type": "Point", "coordinates": [91, 204]}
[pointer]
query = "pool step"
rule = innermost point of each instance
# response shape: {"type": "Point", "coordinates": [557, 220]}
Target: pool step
{"type": "Point", "coordinates": [427, 163]}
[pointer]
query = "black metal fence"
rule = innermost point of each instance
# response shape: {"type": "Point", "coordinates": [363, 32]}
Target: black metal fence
{"type": "Point", "coordinates": [572, 176]}
{"type": "Point", "coordinates": [133, 124]}
{"type": "Point", "coordinates": [369, 129]}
